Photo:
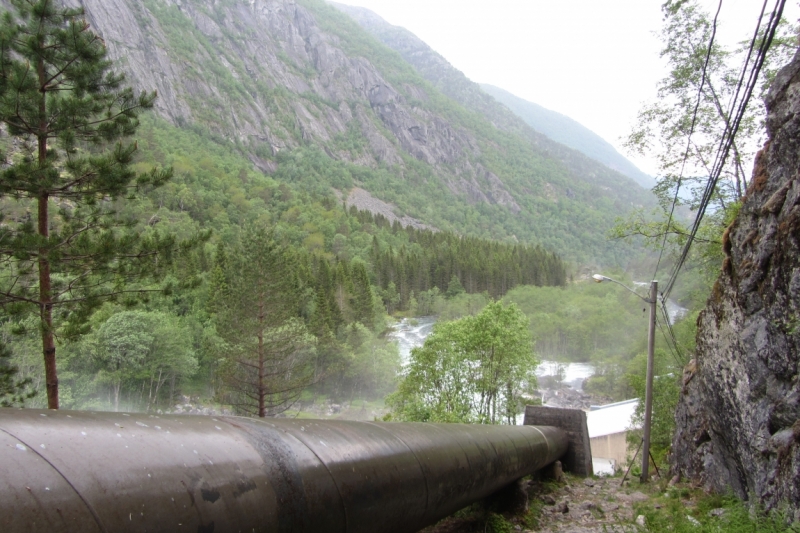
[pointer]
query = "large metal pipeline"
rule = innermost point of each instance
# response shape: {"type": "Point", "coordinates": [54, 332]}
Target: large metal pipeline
{"type": "Point", "coordinates": [70, 471]}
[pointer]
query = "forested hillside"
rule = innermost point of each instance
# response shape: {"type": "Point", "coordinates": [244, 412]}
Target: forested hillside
{"type": "Point", "coordinates": [304, 94]}
{"type": "Point", "coordinates": [567, 131]}
{"type": "Point", "coordinates": [268, 115]}
{"type": "Point", "coordinates": [346, 269]}
{"type": "Point", "coordinates": [504, 110]}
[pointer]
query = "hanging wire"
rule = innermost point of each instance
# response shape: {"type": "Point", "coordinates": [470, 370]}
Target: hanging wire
{"type": "Point", "coordinates": [669, 335]}
{"type": "Point", "coordinates": [730, 130]}
{"type": "Point", "coordinates": [689, 139]}
{"type": "Point", "coordinates": [670, 347]}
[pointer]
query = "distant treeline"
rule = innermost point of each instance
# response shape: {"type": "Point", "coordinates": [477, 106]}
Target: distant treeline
{"type": "Point", "coordinates": [435, 259]}
{"type": "Point", "coordinates": [339, 291]}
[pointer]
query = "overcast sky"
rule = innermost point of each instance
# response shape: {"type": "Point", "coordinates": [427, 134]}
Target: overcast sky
{"type": "Point", "coordinates": [595, 61]}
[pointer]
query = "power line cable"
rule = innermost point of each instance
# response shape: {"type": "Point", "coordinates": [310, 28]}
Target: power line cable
{"type": "Point", "coordinates": [671, 331]}
{"type": "Point", "coordinates": [731, 130]}
{"type": "Point", "coordinates": [672, 350]}
{"type": "Point", "coordinates": [689, 139]}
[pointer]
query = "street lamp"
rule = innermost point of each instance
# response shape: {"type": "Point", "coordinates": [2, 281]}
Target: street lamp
{"type": "Point", "coordinates": [648, 394]}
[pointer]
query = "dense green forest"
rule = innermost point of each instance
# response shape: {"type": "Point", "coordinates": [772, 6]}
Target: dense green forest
{"type": "Point", "coordinates": [350, 269]}
{"type": "Point", "coordinates": [560, 200]}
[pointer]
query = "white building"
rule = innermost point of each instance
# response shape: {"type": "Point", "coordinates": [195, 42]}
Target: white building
{"type": "Point", "coordinates": [608, 426]}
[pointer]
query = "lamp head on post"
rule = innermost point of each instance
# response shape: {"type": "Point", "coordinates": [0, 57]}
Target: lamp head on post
{"type": "Point", "coordinates": [648, 409]}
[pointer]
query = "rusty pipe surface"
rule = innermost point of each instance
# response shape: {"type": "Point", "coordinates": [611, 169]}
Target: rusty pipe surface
{"type": "Point", "coordinates": [70, 471]}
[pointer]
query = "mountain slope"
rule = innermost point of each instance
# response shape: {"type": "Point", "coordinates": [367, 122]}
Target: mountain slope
{"type": "Point", "coordinates": [567, 131]}
{"type": "Point", "coordinates": [436, 69]}
{"type": "Point", "coordinates": [308, 97]}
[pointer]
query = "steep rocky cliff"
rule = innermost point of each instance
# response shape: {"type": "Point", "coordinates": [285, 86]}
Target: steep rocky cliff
{"type": "Point", "coordinates": [272, 79]}
{"type": "Point", "coordinates": [548, 129]}
{"type": "Point", "coordinates": [739, 416]}
{"type": "Point", "coordinates": [564, 130]}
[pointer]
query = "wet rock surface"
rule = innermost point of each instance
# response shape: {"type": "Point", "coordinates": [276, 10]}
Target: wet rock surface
{"type": "Point", "coordinates": [738, 418]}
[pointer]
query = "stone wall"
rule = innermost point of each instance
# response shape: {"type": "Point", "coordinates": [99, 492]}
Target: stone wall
{"type": "Point", "coordinates": [578, 459]}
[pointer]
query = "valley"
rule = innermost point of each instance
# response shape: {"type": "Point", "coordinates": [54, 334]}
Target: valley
{"type": "Point", "coordinates": [294, 209]}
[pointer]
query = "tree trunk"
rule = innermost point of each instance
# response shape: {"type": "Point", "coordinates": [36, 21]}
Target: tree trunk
{"type": "Point", "coordinates": [46, 309]}
{"type": "Point", "coordinates": [117, 386]}
{"type": "Point", "coordinates": [45, 283]}
{"type": "Point", "coordinates": [154, 400]}
{"type": "Point", "coordinates": [150, 393]}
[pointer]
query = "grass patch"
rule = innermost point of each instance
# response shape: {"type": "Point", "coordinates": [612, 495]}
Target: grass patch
{"type": "Point", "coordinates": [680, 509]}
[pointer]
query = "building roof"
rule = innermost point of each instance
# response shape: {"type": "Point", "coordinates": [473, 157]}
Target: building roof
{"type": "Point", "coordinates": [610, 419]}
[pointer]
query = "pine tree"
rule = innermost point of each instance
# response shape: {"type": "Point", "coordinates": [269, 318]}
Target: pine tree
{"type": "Point", "coordinates": [13, 391]}
{"type": "Point", "coordinates": [363, 310]}
{"type": "Point", "coordinates": [270, 351]}
{"type": "Point", "coordinates": [61, 98]}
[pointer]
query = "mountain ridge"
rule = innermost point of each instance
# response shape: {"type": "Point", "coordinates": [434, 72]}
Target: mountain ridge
{"type": "Point", "coordinates": [569, 132]}
{"type": "Point", "coordinates": [506, 111]}
{"type": "Point", "coordinates": [291, 83]}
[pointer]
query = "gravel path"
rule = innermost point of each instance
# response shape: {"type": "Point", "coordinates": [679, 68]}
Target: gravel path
{"type": "Point", "coordinates": [575, 505]}
{"type": "Point", "coordinates": [585, 506]}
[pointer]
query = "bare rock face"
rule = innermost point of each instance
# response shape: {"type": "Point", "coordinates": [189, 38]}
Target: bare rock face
{"type": "Point", "coordinates": [303, 88]}
{"type": "Point", "coordinates": [739, 416]}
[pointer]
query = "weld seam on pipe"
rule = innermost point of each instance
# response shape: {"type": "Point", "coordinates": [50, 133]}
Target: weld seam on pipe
{"type": "Point", "coordinates": [334, 479]}
{"type": "Point", "coordinates": [546, 440]}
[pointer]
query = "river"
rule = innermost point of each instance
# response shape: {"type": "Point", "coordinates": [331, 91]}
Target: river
{"type": "Point", "coordinates": [410, 333]}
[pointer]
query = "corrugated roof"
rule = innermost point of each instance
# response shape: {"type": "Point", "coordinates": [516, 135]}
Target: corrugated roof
{"type": "Point", "coordinates": [611, 418]}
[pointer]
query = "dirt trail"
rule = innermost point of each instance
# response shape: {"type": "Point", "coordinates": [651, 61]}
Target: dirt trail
{"type": "Point", "coordinates": [584, 506]}
{"type": "Point", "coordinates": [576, 505]}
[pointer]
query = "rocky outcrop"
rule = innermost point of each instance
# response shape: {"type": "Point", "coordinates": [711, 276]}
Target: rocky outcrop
{"type": "Point", "coordinates": [300, 86]}
{"type": "Point", "coordinates": [364, 201]}
{"type": "Point", "coordinates": [738, 421]}
{"type": "Point", "coordinates": [452, 82]}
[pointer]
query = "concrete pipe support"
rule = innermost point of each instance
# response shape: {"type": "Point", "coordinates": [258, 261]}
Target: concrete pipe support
{"type": "Point", "coordinates": [71, 471]}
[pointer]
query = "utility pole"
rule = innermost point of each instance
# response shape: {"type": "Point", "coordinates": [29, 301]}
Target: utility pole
{"type": "Point", "coordinates": [648, 395]}
{"type": "Point", "coordinates": [651, 345]}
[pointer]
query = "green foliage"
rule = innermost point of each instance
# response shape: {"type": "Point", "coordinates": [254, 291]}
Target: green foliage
{"type": "Point", "coordinates": [135, 348]}
{"type": "Point", "coordinates": [496, 523]}
{"type": "Point", "coordinates": [269, 352]}
{"type": "Point", "coordinates": [666, 392]}
{"type": "Point", "coordinates": [470, 370]}
{"type": "Point", "coordinates": [374, 365]}
{"type": "Point", "coordinates": [422, 260]}
{"type": "Point", "coordinates": [454, 287]}
{"type": "Point", "coordinates": [729, 514]}
{"type": "Point", "coordinates": [12, 390]}
{"type": "Point", "coordinates": [62, 100]}
{"type": "Point", "coordinates": [683, 128]}
{"type": "Point", "coordinates": [664, 126]}
{"type": "Point", "coordinates": [667, 383]}
{"type": "Point", "coordinates": [583, 321]}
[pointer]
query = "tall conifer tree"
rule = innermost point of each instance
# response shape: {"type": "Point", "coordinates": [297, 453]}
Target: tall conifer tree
{"type": "Point", "coordinates": [270, 352]}
{"type": "Point", "coordinates": [60, 97]}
